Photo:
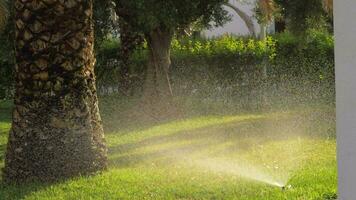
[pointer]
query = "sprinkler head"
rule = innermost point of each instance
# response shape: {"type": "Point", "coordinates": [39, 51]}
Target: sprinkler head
{"type": "Point", "coordinates": [286, 187]}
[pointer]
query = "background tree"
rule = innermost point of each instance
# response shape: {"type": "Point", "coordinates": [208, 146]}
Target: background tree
{"type": "Point", "coordinates": [108, 25]}
{"type": "Point", "coordinates": [158, 20]}
{"type": "Point", "coordinates": [265, 12]}
{"type": "Point", "coordinates": [3, 13]}
{"type": "Point", "coordinates": [130, 40]}
{"type": "Point", "coordinates": [6, 50]}
{"type": "Point", "coordinates": [104, 20]}
{"type": "Point", "coordinates": [302, 15]}
{"type": "Point", "coordinates": [56, 129]}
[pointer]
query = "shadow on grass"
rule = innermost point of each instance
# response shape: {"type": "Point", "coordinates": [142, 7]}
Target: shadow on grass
{"type": "Point", "coordinates": [226, 138]}
{"type": "Point", "coordinates": [17, 192]}
{"type": "Point", "coordinates": [2, 152]}
{"type": "Point", "coordinates": [179, 134]}
{"type": "Point", "coordinates": [5, 111]}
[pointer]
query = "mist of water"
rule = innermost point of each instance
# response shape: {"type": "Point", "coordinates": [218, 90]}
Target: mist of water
{"type": "Point", "coordinates": [274, 168]}
{"type": "Point", "coordinates": [241, 169]}
{"type": "Point", "coordinates": [253, 164]}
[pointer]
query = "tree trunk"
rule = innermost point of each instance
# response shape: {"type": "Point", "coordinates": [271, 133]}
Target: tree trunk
{"type": "Point", "coordinates": [130, 40]}
{"type": "Point", "coordinates": [56, 129]}
{"type": "Point", "coordinates": [3, 14]}
{"type": "Point", "coordinates": [157, 87]}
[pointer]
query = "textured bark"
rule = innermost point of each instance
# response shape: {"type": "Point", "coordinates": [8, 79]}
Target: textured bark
{"type": "Point", "coordinates": [56, 129]}
{"type": "Point", "coordinates": [157, 87]}
{"type": "Point", "coordinates": [3, 14]}
{"type": "Point", "coordinates": [130, 40]}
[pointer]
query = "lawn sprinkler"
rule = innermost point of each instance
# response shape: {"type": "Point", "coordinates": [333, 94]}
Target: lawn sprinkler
{"type": "Point", "coordinates": [286, 187]}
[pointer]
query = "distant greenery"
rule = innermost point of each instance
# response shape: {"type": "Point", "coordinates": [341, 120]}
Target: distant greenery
{"type": "Point", "coordinates": [224, 46]}
{"type": "Point", "coordinates": [302, 15]}
{"type": "Point", "coordinates": [233, 65]}
{"type": "Point", "coordinates": [285, 54]}
{"type": "Point", "coordinates": [316, 43]}
{"type": "Point", "coordinates": [189, 48]}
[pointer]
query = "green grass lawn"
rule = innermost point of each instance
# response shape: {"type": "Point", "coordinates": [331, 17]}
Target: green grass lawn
{"type": "Point", "coordinates": [230, 156]}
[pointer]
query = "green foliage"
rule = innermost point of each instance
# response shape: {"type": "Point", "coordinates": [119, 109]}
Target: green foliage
{"type": "Point", "coordinates": [230, 67]}
{"type": "Point", "coordinates": [185, 51]}
{"type": "Point", "coordinates": [104, 23]}
{"type": "Point", "coordinates": [187, 48]}
{"type": "Point", "coordinates": [170, 15]}
{"type": "Point", "coordinates": [302, 15]}
{"type": "Point", "coordinates": [227, 45]}
{"type": "Point", "coordinates": [320, 43]}
{"type": "Point", "coordinates": [315, 57]}
{"type": "Point", "coordinates": [314, 45]}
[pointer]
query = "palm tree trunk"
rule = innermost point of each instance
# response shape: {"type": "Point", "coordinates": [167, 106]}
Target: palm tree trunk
{"type": "Point", "coordinates": [3, 13]}
{"type": "Point", "coordinates": [56, 129]}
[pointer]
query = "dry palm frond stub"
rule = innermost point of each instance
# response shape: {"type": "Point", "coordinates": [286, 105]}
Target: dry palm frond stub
{"type": "Point", "coordinates": [3, 13]}
{"type": "Point", "coordinates": [328, 6]}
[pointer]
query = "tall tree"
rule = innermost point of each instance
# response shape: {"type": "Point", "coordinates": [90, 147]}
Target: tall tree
{"type": "Point", "coordinates": [56, 130]}
{"type": "Point", "coordinates": [304, 14]}
{"type": "Point", "coordinates": [158, 20]}
{"type": "Point", "coordinates": [3, 13]}
{"type": "Point", "coordinates": [129, 41]}
{"type": "Point", "coordinates": [265, 11]}
{"type": "Point", "coordinates": [6, 51]}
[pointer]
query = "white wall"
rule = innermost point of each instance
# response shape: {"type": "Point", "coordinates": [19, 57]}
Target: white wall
{"type": "Point", "coordinates": [345, 33]}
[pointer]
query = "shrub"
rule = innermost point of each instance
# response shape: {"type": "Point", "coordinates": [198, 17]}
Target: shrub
{"type": "Point", "coordinates": [226, 45]}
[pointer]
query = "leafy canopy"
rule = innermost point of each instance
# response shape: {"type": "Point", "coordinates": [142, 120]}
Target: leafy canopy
{"type": "Point", "coordinates": [304, 14]}
{"type": "Point", "coordinates": [147, 15]}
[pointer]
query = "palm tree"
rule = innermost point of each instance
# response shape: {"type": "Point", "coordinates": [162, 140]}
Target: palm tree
{"type": "Point", "coordinates": [56, 129]}
{"type": "Point", "coordinates": [3, 13]}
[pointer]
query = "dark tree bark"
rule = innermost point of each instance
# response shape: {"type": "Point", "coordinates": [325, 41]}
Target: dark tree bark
{"type": "Point", "coordinates": [130, 40]}
{"type": "Point", "coordinates": [124, 55]}
{"type": "Point", "coordinates": [56, 129]}
{"type": "Point", "coordinates": [157, 94]}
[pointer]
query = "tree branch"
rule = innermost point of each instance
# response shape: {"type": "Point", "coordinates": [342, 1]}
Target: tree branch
{"type": "Point", "coordinates": [247, 19]}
